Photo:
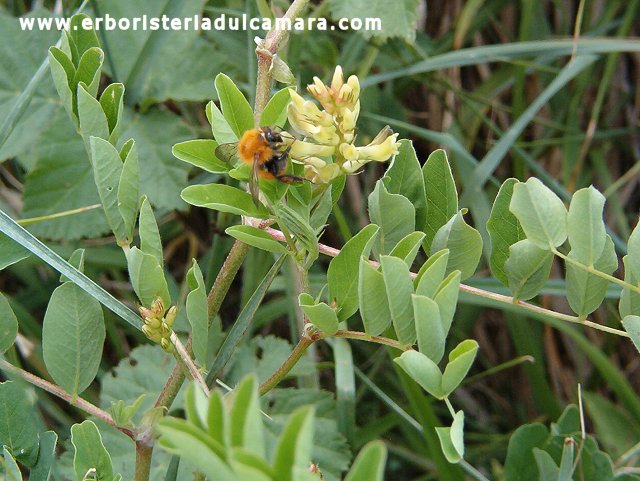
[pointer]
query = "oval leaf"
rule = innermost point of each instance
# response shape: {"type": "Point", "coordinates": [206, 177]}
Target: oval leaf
{"type": "Point", "coordinates": [73, 335]}
{"type": "Point", "coordinates": [256, 237]}
{"type": "Point", "coordinates": [223, 198]}
{"type": "Point", "coordinates": [541, 213]}
{"type": "Point", "coordinates": [8, 325]}
{"type": "Point", "coordinates": [201, 153]}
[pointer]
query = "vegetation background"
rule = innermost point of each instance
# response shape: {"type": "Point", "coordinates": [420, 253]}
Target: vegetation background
{"type": "Point", "coordinates": [457, 75]}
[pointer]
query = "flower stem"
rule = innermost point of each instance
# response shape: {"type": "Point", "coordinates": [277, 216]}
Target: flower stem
{"type": "Point", "coordinates": [143, 461]}
{"type": "Point", "coordinates": [51, 388]}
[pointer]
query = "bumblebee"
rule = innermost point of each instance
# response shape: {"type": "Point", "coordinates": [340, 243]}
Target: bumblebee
{"type": "Point", "coordinates": [266, 151]}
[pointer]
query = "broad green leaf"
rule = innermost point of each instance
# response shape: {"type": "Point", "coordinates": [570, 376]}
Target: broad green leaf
{"type": "Point", "coordinates": [73, 336]}
{"type": "Point", "coordinates": [464, 244]}
{"type": "Point", "coordinates": [11, 469]}
{"type": "Point", "coordinates": [8, 325]}
{"type": "Point", "coordinates": [343, 274]}
{"type": "Point", "coordinates": [21, 62]}
{"type": "Point", "coordinates": [197, 313]}
{"type": "Point", "coordinates": [201, 153]}
{"type": "Point", "coordinates": [88, 70]}
{"type": "Point", "coordinates": [63, 180]}
{"type": "Point", "coordinates": [431, 274]}
{"type": "Point", "coordinates": [222, 132]}
{"type": "Point", "coordinates": [257, 238]}
{"type": "Point", "coordinates": [633, 252]}
{"type": "Point", "coordinates": [399, 286]}
{"type": "Point", "coordinates": [452, 439]}
{"type": "Point", "coordinates": [407, 249]}
{"type": "Point", "coordinates": [629, 299]}
{"type": "Point", "coordinates": [162, 177]}
{"type": "Point", "coordinates": [107, 171]}
{"type": "Point", "coordinates": [234, 105]}
{"type": "Point", "coordinates": [520, 463]}
{"type": "Point", "coordinates": [585, 226]}
{"type": "Point", "coordinates": [320, 315]}
{"type": "Point", "coordinates": [430, 332]}
{"type": "Point", "coordinates": [111, 101]}
{"type": "Point", "coordinates": [93, 121]}
{"type": "Point", "coordinates": [129, 188]}
{"type": "Point", "coordinates": [527, 269]}
{"type": "Point", "coordinates": [10, 252]}
{"type": "Point", "coordinates": [372, 299]}
{"type": "Point", "coordinates": [150, 242]}
{"type": "Point", "coordinates": [275, 112]}
{"type": "Point", "coordinates": [399, 21]}
{"type": "Point", "coordinates": [585, 291]}
{"type": "Point", "coordinates": [245, 419]}
{"type": "Point", "coordinates": [447, 299]}
{"type": "Point", "coordinates": [147, 277]}
{"type": "Point", "coordinates": [63, 71]}
{"type": "Point", "coordinates": [369, 464]}
{"type": "Point", "coordinates": [18, 429]}
{"type": "Point", "coordinates": [460, 361]}
{"type": "Point", "coordinates": [541, 213]}
{"type": "Point", "coordinates": [394, 214]}
{"type": "Point", "coordinates": [442, 196]}
{"type": "Point", "coordinates": [90, 451]}
{"type": "Point", "coordinates": [223, 198]}
{"type": "Point", "coordinates": [423, 371]}
{"type": "Point", "coordinates": [295, 444]}
{"type": "Point", "coordinates": [176, 64]}
{"type": "Point", "coordinates": [504, 230]}
{"type": "Point", "coordinates": [546, 465]}
{"type": "Point", "coordinates": [631, 324]}
{"type": "Point", "coordinates": [404, 177]}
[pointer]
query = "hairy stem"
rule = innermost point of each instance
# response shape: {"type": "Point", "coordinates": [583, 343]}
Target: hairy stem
{"type": "Point", "coordinates": [51, 388]}
{"type": "Point", "coordinates": [272, 43]}
{"type": "Point", "coordinates": [143, 461]}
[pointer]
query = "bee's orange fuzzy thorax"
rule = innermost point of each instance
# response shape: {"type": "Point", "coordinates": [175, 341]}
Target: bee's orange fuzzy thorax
{"type": "Point", "coordinates": [253, 148]}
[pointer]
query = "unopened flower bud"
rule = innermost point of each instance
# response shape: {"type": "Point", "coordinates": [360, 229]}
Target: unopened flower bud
{"type": "Point", "coordinates": [158, 307]}
{"type": "Point", "coordinates": [145, 312]}
{"type": "Point", "coordinates": [152, 334]}
{"type": "Point", "coordinates": [166, 344]}
{"type": "Point", "coordinates": [170, 317]}
{"type": "Point", "coordinates": [152, 322]}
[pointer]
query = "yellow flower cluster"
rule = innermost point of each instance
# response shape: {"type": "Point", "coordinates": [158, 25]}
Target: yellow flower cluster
{"type": "Point", "coordinates": [157, 325]}
{"type": "Point", "coordinates": [331, 132]}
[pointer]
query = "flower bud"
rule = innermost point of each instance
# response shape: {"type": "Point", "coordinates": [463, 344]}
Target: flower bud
{"type": "Point", "coordinates": [152, 322]}
{"type": "Point", "coordinates": [158, 307]}
{"type": "Point", "coordinates": [170, 317]}
{"type": "Point", "coordinates": [381, 148]}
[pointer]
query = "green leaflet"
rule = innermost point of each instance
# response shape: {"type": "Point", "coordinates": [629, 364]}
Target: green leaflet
{"type": "Point", "coordinates": [504, 230]}
{"type": "Point", "coordinates": [463, 242]}
{"type": "Point", "coordinates": [442, 196]}
{"type": "Point", "coordinates": [73, 335]}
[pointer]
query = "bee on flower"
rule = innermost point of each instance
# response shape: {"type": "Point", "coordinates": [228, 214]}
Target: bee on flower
{"type": "Point", "coordinates": [330, 132]}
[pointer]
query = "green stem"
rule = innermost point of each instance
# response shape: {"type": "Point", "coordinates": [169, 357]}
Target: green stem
{"type": "Point", "coordinates": [33, 220]}
{"type": "Point", "coordinates": [143, 461]}
{"type": "Point", "coordinates": [475, 291]}
{"type": "Point", "coordinates": [306, 341]}
{"type": "Point", "coordinates": [596, 272]}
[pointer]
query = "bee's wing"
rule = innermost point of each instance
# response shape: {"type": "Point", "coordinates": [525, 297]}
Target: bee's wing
{"type": "Point", "coordinates": [227, 152]}
{"type": "Point", "coordinates": [254, 188]}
